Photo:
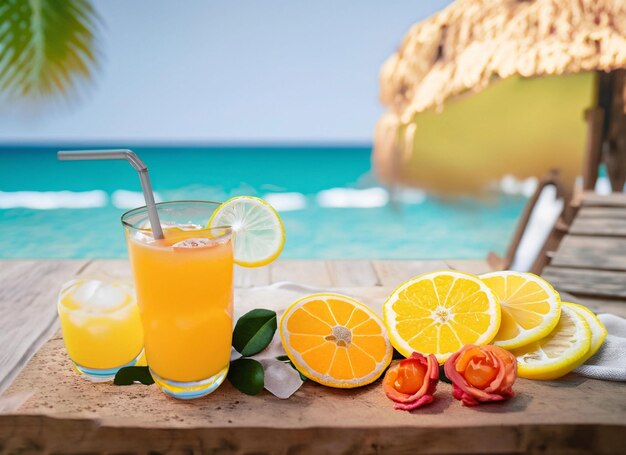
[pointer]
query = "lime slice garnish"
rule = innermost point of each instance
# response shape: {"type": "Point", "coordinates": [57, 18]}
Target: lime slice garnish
{"type": "Point", "coordinates": [259, 234]}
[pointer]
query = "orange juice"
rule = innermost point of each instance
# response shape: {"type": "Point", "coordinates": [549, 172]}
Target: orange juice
{"type": "Point", "coordinates": [101, 326]}
{"type": "Point", "coordinates": [184, 286]}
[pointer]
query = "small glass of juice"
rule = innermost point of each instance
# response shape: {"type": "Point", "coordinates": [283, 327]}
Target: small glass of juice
{"type": "Point", "coordinates": [184, 285]}
{"type": "Point", "coordinates": [101, 327]}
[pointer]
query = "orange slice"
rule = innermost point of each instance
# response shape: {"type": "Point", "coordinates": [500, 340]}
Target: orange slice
{"type": "Point", "coordinates": [530, 307]}
{"type": "Point", "coordinates": [439, 313]}
{"type": "Point", "coordinates": [335, 340]}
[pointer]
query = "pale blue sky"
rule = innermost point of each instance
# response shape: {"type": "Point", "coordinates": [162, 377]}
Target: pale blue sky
{"type": "Point", "coordinates": [230, 71]}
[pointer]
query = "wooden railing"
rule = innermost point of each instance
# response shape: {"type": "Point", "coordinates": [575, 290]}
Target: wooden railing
{"type": "Point", "coordinates": [551, 179]}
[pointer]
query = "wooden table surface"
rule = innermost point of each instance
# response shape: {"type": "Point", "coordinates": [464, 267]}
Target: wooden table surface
{"type": "Point", "coordinates": [65, 414]}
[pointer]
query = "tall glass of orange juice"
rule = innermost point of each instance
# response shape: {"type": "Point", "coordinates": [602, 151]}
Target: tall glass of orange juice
{"type": "Point", "coordinates": [184, 286]}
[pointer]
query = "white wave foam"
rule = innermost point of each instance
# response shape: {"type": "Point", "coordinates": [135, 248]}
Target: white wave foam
{"type": "Point", "coordinates": [285, 202]}
{"type": "Point", "coordinates": [44, 200]}
{"type": "Point", "coordinates": [411, 196]}
{"type": "Point", "coordinates": [123, 199]}
{"type": "Point", "coordinates": [352, 198]}
{"type": "Point", "coordinates": [512, 186]}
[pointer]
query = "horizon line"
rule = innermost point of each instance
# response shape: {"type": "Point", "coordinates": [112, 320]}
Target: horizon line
{"type": "Point", "coordinates": [188, 143]}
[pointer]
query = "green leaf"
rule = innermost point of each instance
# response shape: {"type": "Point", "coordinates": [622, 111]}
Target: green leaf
{"type": "Point", "coordinates": [246, 375]}
{"type": "Point", "coordinates": [283, 358]}
{"type": "Point", "coordinates": [46, 46]}
{"type": "Point", "coordinates": [442, 375]}
{"type": "Point", "coordinates": [254, 331]}
{"type": "Point", "coordinates": [130, 375]}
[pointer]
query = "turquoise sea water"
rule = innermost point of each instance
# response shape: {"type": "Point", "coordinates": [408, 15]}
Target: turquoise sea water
{"type": "Point", "coordinates": [331, 204]}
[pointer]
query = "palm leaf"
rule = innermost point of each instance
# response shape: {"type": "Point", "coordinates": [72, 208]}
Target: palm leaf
{"type": "Point", "coordinates": [46, 46]}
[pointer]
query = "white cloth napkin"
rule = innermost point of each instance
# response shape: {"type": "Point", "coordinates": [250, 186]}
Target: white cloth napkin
{"type": "Point", "coordinates": [609, 363]}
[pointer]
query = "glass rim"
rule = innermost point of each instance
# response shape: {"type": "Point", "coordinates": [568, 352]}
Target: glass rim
{"type": "Point", "coordinates": [131, 212]}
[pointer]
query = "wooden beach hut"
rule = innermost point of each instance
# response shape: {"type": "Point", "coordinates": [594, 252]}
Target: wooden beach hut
{"type": "Point", "coordinates": [488, 88]}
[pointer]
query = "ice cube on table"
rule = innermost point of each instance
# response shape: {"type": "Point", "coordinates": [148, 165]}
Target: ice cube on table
{"type": "Point", "coordinates": [281, 379]}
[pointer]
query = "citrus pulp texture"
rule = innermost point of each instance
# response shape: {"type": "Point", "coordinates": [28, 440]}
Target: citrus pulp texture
{"type": "Point", "coordinates": [335, 340]}
{"type": "Point", "coordinates": [440, 312]}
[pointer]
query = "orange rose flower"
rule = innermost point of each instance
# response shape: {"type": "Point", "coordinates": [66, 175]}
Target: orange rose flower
{"type": "Point", "coordinates": [481, 374]}
{"type": "Point", "coordinates": [411, 383]}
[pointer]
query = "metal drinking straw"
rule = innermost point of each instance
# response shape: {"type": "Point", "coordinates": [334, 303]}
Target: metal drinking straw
{"type": "Point", "coordinates": [140, 167]}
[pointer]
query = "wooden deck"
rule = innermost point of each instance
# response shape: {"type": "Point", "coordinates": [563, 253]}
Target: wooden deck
{"type": "Point", "coordinates": [65, 414]}
{"type": "Point", "coordinates": [590, 262]}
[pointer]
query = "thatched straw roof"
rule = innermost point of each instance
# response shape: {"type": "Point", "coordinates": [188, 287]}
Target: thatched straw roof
{"type": "Point", "coordinates": [472, 42]}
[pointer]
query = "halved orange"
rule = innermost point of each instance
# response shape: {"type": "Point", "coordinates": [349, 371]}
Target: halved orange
{"type": "Point", "coordinates": [440, 312]}
{"type": "Point", "coordinates": [335, 340]}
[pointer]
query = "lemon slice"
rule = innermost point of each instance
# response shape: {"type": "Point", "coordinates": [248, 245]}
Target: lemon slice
{"type": "Point", "coordinates": [335, 340]}
{"type": "Point", "coordinates": [258, 230]}
{"type": "Point", "coordinates": [530, 307]}
{"type": "Point", "coordinates": [560, 352]}
{"type": "Point", "coordinates": [598, 331]}
{"type": "Point", "coordinates": [440, 312]}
